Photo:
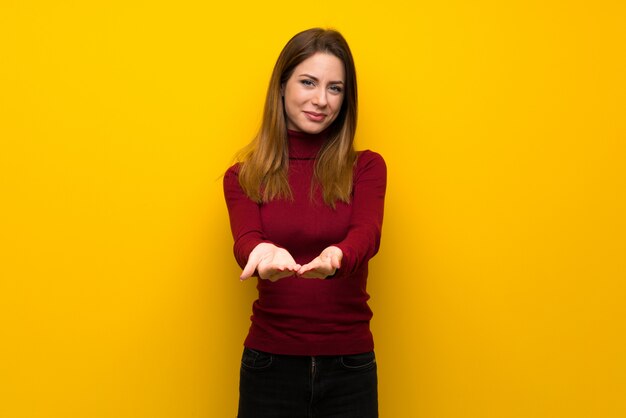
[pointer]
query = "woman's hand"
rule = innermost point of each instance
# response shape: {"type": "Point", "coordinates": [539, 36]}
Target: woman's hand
{"type": "Point", "coordinates": [324, 265]}
{"type": "Point", "coordinates": [271, 262]}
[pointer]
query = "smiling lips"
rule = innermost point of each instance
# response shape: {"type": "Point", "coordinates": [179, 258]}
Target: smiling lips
{"type": "Point", "coordinates": [315, 117]}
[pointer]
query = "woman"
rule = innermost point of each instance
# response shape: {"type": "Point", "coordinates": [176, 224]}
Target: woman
{"type": "Point", "coordinates": [306, 214]}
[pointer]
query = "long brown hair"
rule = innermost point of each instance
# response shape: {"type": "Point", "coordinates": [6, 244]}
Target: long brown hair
{"type": "Point", "coordinates": [264, 162]}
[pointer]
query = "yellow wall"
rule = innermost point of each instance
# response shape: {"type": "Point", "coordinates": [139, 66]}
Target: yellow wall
{"type": "Point", "coordinates": [499, 291]}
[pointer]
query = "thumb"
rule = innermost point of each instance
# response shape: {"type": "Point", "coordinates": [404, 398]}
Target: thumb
{"type": "Point", "coordinates": [251, 265]}
{"type": "Point", "coordinates": [334, 261]}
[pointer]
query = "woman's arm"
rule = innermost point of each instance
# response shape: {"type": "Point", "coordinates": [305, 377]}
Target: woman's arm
{"type": "Point", "coordinates": [363, 237]}
{"type": "Point", "coordinates": [253, 251]}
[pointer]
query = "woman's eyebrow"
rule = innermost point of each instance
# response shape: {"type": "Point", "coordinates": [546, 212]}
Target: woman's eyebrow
{"type": "Point", "coordinates": [317, 79]}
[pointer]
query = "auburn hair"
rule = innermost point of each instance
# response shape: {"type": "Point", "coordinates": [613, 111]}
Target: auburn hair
{"type": "Point", "coordinates": [264, 162]}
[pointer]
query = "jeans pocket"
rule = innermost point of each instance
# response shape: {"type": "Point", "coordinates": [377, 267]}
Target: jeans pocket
{"type": "Point", "coordinates": [255, 360]}
{"type": "Point", "coordinates": [362, 361]}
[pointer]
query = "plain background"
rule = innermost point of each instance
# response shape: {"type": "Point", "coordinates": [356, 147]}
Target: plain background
{"type": "Point", "coordinates": [499, 290]}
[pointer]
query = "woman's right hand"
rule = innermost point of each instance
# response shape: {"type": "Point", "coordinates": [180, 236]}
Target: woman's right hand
{"type": "Point", "coordinates": [271, 262]}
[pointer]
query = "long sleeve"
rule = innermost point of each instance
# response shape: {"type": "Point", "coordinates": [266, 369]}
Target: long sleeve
{"type": "Point", "coordinates": [245, 219]}
{"type": "Point", "coordinates": [363, 237]}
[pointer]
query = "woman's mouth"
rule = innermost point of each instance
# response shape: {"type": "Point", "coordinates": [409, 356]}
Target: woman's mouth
{"type": "Point", "coordinates": [315, 117]}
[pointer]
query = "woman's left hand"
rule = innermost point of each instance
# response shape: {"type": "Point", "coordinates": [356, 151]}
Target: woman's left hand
{"type": "Point", "coordinates": [324, 265]}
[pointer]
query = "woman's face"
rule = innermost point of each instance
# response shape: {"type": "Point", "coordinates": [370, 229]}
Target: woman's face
{"type": "Point", "coordinates": [314, 93]}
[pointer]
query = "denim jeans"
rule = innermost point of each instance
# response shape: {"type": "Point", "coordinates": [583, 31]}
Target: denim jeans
{"type": "Point", "coordinates": [278, 386]}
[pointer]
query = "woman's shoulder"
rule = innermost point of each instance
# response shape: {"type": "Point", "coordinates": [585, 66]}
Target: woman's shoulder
{"type": "Point", "coordinates": [234, 169]}
{"type": "Point", "coordinates": [231, 176]}
{"type": "Point", "coordinates": [368, 159]}
{"type": "Point", "coordinates": [370, 165]}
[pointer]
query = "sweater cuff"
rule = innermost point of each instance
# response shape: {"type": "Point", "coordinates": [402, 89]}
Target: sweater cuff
{"type": "Point", "coordinates": [347, 261]}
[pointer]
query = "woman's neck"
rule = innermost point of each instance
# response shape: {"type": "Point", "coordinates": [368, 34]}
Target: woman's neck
{"type": "Point", "coordinates": [305, 145]}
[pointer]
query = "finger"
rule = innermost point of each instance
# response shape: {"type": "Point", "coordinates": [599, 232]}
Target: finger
{"type": "Point", "coordinates": [313, 271]}
{"type": "Point", "coordinates": [281, 269]}
{"type": "Point", "coordinates": [303, 269]}
{"type": "Point", "coordinates": [334, 261]}
{"type": "Point", "coordinates": [276, 272]}
{"type": "Point", "coordinates": [313, 274]}
{"type": "Point", "coordinates": [287, 267]}
{"type": "Point", "coordinates": [251, 265]}
{"type": "Point", "coordinates": [307, 274]}
{"type": "Point", "coordinates": [294, 267]}
{"type": "Point", "coordinates": [279, 275]}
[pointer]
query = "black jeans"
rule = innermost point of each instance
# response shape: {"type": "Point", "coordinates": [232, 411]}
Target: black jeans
{"type": "Point", "coordinates": [277, 386]}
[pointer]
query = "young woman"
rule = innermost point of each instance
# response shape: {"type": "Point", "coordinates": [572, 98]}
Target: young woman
{"type": "Point", "coordinates": [306, 213]}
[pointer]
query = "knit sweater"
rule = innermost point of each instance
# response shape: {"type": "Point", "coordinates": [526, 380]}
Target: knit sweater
{"type": "Point", "coordinates": [300, 316]}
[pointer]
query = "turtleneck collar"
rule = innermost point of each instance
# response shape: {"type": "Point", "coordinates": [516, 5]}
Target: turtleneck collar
{"type": "Point", "coordinates": [303, 145]}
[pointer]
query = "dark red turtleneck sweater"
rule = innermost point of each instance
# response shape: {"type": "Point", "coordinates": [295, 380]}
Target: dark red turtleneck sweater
{"type": "Point", "coordinates": [300, 316]}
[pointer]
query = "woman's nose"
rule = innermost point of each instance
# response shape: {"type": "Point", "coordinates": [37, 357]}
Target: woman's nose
{"type": "Point", "coordinates": [319, 98]}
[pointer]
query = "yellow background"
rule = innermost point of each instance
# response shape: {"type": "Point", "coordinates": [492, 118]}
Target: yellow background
{"type": "Point", "coordinates": [499, 291]}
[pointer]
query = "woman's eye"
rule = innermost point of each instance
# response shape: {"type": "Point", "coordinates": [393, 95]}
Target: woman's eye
{"type": "Point", "coordinates": [307, 82]}
{"type": "Point", "coordinates": [336, 89]}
